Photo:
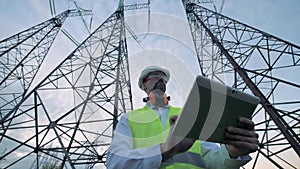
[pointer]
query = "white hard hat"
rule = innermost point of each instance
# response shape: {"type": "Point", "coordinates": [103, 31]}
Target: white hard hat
{"type": "Point", "coordinates": [150, 69]}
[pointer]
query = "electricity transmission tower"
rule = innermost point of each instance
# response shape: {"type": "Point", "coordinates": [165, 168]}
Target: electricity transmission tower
{"type": "Point", "coordinates": [21, 56]}
{"type": "Point", "coordinates": [95, 77]}
{"type": "Point", "coordinates": [70, 115]}
{"type": "Point", "coordinates": [253, 61]}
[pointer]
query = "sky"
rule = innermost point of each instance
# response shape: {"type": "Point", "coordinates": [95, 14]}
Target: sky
{"type": "Point", "coordinates": [276, 17]}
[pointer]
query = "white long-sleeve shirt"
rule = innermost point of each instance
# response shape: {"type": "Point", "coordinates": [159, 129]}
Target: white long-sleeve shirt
{"type": "Point", "coordinates": [121, 154]}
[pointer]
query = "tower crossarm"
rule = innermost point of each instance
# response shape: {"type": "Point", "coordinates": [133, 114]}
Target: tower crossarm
{"type": "Point", "coordinates": [79, 12]}
{"type": "Point", "coordinates": [136, 6]}
{"type": "Point", "coordinates": [196, 1]}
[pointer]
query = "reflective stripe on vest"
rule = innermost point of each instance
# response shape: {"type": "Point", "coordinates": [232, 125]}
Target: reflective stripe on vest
{"type": "Point", "coordinates": [147, 131]}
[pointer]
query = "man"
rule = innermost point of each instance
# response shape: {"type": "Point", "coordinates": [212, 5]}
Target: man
{"type": "Point", "coordinates": [143, 137]}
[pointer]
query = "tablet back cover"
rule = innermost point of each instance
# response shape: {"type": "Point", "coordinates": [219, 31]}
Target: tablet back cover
{"type": "Point", "coordinates": [212, 107]}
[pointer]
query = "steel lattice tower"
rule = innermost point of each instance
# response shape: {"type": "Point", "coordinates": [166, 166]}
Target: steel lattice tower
{"type": "Point", "coordinates": [76, 132]}
{"type": "Point", "coordinates": [95, 77]}
{"type": "Point", "coordinates": [253, 61]}
{"type": "Point", "coordinates": [21, 56]}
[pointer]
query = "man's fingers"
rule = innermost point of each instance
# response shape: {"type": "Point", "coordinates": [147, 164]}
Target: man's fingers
{"type": "Point", "coordinates": [249, 139]}
{"type": "Point", "coordinates": [242, 132]}
{"type": "Point", "coordinates": [248, 123]}
{"type": "Point", "coordinates": [244, 146]}
{"type": "Point", "coordinates": [241, 141]}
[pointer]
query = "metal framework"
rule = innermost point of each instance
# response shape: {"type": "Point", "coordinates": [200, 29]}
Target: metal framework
{"type": "Point", "coordinates": [21, 56]}
{"type": "Point", "coordinates": [254, 61]}
{"type": "Point", "coordinates": [72, 132]}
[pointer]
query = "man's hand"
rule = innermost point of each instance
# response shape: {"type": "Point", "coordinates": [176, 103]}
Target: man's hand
{"type": "Point", "coordinates": [242, 141]}
{"type": "Point", "coordinates": [174, 145]}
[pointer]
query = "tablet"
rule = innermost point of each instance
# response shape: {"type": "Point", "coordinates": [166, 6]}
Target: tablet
{"type": "Point", "coordinates": [210, 108]}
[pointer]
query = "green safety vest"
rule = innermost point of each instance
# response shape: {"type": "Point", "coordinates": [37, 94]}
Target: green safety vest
{"type": "Point", "coordinates": [147, 131]}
